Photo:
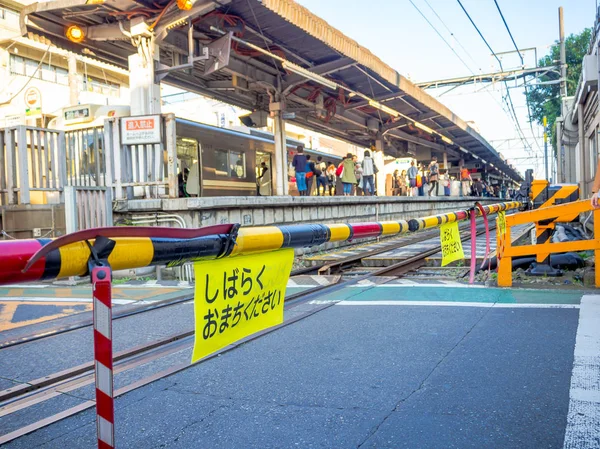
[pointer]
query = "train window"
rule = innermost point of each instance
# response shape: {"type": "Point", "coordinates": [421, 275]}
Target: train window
{"type": "Point", "coordinates": [237, 163]}
{"type": "Point", "coordinates": [230, 163]}
{"type": "Point", "coordinates": [222, 162]}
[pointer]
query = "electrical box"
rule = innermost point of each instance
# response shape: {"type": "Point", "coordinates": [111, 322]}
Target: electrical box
{"type": "Point", "coordinates": [589, 74]}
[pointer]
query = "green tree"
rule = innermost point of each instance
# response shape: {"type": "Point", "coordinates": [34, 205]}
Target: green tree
{"type": "Point", "coordinates": [544, 100]}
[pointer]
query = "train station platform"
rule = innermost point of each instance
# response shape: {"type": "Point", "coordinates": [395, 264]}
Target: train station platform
{"type": "Point", "coordinates": [280, 210]}
{"type": "Point", "coordinates": [370, 365]}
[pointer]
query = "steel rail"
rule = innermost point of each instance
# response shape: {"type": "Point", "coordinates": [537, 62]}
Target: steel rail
{"type": "Point", "coordinates": [336, 265]}
{"type": "Point", "coordinates": [69, 380]}
{"type": "Point", "coordinates": [35, 260]}
{"type": "Point", "coordinates": [81, 324]}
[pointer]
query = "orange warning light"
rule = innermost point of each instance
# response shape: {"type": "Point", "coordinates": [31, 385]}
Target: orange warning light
{"type": "Point", "coordinates": [185, 5]}
{"type": "Point", "coordinates": [75, 34]}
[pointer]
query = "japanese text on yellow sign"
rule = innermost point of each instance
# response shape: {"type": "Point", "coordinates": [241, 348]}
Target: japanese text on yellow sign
{"type": "Point", "coordinates": [451, 245]}
{"type": "Point", "coordinates": [236, 297]}
{"type": "Point", "coordinates": [501, 223]}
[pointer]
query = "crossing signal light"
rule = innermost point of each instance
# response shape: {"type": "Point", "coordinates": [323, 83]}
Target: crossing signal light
{"type": "Point", "coordinates": [75, 34]}
{"type": "Point", "coordinates": [185, 5]}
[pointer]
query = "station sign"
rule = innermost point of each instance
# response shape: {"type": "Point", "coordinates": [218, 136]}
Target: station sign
{"type": "Point", "coordinates": [33, 102]}
{"type": "Point", "coordinates": [14, 120]}
{"type": "Point", "coordinates": [79, 114]}
{"type": "Point", "coordinates": [140, 130]}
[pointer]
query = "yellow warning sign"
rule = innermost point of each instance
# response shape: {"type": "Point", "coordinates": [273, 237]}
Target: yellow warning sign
{"type": "Point", "coordinates": [501, 223]}
{"type": "Point", "coordinates": [451, 245]}
{"type": "Point", "coordinates": [236, 297]}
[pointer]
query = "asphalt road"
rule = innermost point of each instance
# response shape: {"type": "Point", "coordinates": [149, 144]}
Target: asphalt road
{"type": "Point", "coordinates": [363, 375]}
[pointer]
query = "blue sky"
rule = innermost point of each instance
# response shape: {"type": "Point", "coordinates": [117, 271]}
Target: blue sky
{"type": "Point", "coordinates": [396, 32]}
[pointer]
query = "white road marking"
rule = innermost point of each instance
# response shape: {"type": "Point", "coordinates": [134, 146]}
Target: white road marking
{"type": "Point", "coordinates": [583, 419]}
{"type": "Point", "coordinates": [488, 305]}
{"type": "Point", "coordinates": [408, 283]}
{"type": "Point", "coordinates": [291, 283]}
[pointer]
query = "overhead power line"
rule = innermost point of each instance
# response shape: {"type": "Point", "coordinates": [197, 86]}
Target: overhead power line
{"type": "Point", "coordinates": [481, 35]}
{"type": "Point", "coordinates": [522, 63]}
{"type": "Point", "coordinates": [507, 98]}
{"type": "Point", "coordinates": [442, 37]}
{"type": "Point", "coordinates": [452, 34]}
{"type": "Point", "coordinates": [509, 33]}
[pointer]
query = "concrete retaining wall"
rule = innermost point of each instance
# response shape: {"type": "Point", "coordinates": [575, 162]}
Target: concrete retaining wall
{"type": "Point", "coordinates": [264, 211]}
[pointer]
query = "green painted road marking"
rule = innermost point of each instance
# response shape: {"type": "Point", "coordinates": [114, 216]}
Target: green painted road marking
{"type": "Point", "coordinates": [456, 294]}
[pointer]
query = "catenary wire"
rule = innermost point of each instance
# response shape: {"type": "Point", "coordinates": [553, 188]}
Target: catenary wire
{"type": "Point", "coordinates": [507, 98]}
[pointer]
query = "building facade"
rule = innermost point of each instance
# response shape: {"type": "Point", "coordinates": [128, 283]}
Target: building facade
{"type": "Point", "coordinates": [578, 127]}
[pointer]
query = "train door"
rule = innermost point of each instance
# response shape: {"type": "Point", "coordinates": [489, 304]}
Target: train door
{"type": "Point", "coordinates": [188, 161]}
{"type": "Point", "coordinates": [263, 178]}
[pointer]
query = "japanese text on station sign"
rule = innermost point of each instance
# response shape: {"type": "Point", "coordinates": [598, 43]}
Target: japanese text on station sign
{"type": "Point", "coordinates": [140, 130]}
{"type": "Point", "coordinates": [451, 244]}
{"type": "Point", "coordinates": [502, 223]}
{"type": "Point", "coordinates": [236, 297]}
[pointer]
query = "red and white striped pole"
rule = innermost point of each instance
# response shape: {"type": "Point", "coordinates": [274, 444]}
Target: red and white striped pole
{"type": "Point", "coordinates": [103, 356]}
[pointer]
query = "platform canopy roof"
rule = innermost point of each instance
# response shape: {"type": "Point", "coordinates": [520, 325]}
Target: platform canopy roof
{"type": "Point", "coordinates": [280, 53]}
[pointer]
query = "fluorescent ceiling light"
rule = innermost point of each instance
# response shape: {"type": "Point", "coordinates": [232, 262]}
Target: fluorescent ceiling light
{"type": "Point", "coordinates": [448, 141]}
{"type": "Point", "coordinates": [384, 108]}
{"type": "Point", "coordinates": [424, 128]}
{"type": "Point", "coordinates": [309, 75]}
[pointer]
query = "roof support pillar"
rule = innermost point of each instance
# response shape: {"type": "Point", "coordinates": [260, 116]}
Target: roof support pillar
{"type": "Point", "coordinates": [144, 91]}
{"type": "Point", "coordinates": [73, 80]}
{"type": "Point", "coordinates": [279, 174]}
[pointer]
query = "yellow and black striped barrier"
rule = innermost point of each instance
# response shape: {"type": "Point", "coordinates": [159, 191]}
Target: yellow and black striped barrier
{"type": "Point", "coordinates": [417, 224]}
{"type": "Point", "coordinates": [135, 247]}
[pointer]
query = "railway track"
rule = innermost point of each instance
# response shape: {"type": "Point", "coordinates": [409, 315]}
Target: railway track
{"type": "Point", "coordinates": [325, 268]}
{"type": "Point", "coordinates": [37, 391]}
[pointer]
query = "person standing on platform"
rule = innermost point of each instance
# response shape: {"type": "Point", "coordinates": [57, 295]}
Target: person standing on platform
{"type": "Point", "coordinates": [321, 174]}
{"type": "Point", "coordinates": [421, 180]}
{"type": "Point", "coordinates": [368, 174]}
{"type": "Point", "coordinates": [300, 164]}
{"type": "Point", "coordinates": [311, 173]}
{"type": "Point", "coordinates": [395, 183]}
{"type": "Point", "coordinates": [412, 178]}
{"type": "Point", "coordinates": [478, 187]}
{"type": "Point", "coordinates": [264, 180]}
{"type": "Point", "coordinates": [358, 173]}
{"type": "Point", "coordinates": [434, 175]}
{"type": "Point", "coordinates": [402, 183]}
{"type": "Point", "coordinates": [465, 181]}
{"type": "Point", "coordinates": [331, 178]}
{"type": "Point", "coordinates": [348, 177]}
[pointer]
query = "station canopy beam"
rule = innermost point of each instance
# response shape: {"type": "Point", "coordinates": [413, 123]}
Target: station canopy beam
{"type": "Point", "coordinates": [280, 53]}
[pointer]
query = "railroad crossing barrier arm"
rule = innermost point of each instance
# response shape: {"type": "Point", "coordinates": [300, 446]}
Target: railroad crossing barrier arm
{"type": "Point", "coordinates": [507, 251]}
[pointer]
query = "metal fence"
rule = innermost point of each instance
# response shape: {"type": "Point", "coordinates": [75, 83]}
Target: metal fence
{"type": "Point", "coordinates": [87, 207]}
{"type": "Point", "coordinates": [31, 160]}
{"type": "Point", "coordinates": [142, 171]}
{"type": "Point", "coordinates": [45, 160]}
{"type": "Point", "coordinates": [86, 165]}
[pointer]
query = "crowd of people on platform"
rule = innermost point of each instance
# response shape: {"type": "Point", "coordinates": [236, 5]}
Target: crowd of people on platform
{"type": "Point", "coordinates": [358, 178]}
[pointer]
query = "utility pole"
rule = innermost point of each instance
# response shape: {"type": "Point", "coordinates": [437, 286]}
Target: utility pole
{"type": "Point", "coordinates": [563, 56]}
{"type": "Point", "coordinates": [546, 147]}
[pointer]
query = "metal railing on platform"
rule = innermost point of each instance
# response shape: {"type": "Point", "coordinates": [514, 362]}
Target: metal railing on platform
{"type": "Point", "coordinates": [87, 207]}
{"type": "Point", "coordinates": [31, 160]}
{"type": "Point", "coordinates": [46, 160]}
